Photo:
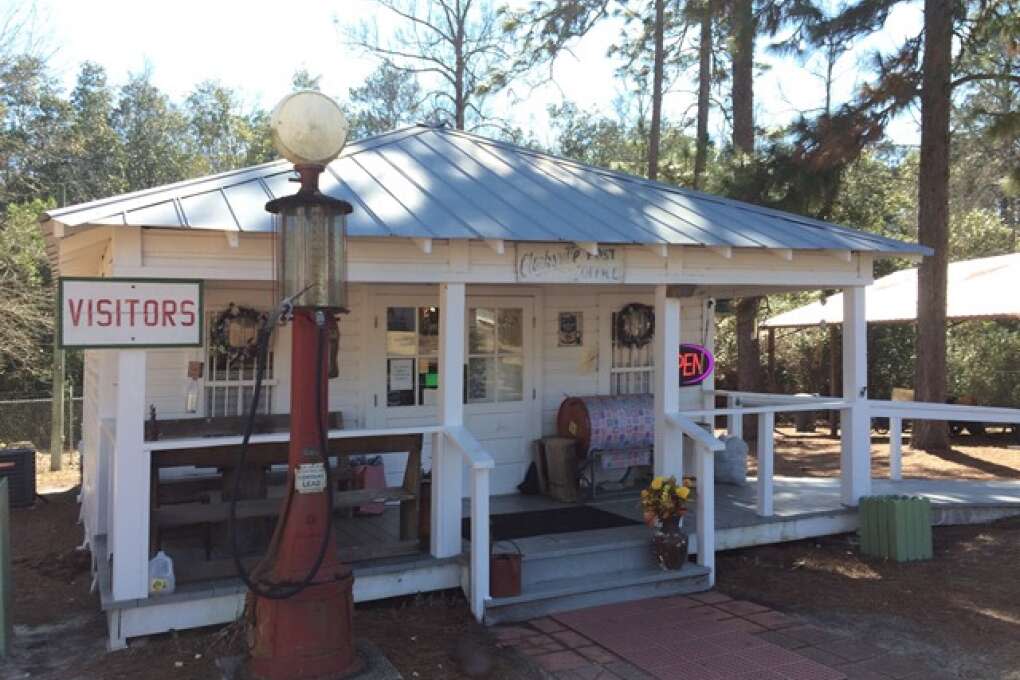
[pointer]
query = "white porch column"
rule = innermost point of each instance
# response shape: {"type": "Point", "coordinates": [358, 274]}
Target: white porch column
{"type": "Point", "coordinates": [129, 515]}
{"type": "Point", "coordinates": [447, 463]}
{"type": "Point", "coordinates": [705, 507]}
{"type": "Point", "coordinates": [668, 440]}
{"type": "Point", "coordinates": [855, 421]}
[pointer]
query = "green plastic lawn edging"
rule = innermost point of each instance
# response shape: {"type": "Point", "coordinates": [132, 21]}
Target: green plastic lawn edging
{"type": "Point", "coordinates": [6, 628]}
{"type": "Point", "coordinates": [896, 527]}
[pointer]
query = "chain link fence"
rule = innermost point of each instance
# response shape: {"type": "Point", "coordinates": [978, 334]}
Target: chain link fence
{"type": "Point", "coordinates": [29, 419]}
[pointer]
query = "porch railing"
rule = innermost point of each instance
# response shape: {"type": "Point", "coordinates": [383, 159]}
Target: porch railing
{"type": "Point", "coordinates": [766, 406]}
{"type": "Point", "coordinates": [898, 411]}
{"type": "Point", "coordinates": [480, 464]}
{"type": "Point", "coordinates": [705, 446]}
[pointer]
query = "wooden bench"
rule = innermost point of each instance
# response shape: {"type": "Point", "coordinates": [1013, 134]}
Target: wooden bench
{"type": "Point", "coordinates": [254, 505]}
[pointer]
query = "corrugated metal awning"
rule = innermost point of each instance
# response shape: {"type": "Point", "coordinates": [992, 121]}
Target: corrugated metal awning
{"type": "Point", "coordinates": [434, 182]}
{"type": "Point", "coordinates": [976, 289]}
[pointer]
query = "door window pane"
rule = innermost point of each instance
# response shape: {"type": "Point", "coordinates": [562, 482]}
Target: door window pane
{"type": "Point", "coordinates": [428, 330]}
{"type": "Point", "coordinates": [400, 382]}
{"type": "Point", "coordinates": [400, 334]}
{"type": "Point", "coordinates": [511, 378]}
{"type": "Point", "coordinates": [481, 380]}
{"type": "Point", "coordinates": [481, 331]}
{"type": "Point", "coordinates": [511, 330]}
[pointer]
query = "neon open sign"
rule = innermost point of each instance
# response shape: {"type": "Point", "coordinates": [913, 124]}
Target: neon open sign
{"type": "Point", "coordinates": [696, 364]}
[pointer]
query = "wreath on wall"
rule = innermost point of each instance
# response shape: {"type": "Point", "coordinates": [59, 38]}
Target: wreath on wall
{"type": "Point", "coordinates": [234, 333]}
{"type": "Point", "coordinates": [635, 325]}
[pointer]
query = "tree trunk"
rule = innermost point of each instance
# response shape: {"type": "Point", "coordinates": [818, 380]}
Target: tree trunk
{"type": "Point", "coordinates": [933, 220]}
{"type": "Point", "coordinates": [742, 92]}
{"type": "Point", "coordinates": [655, 134]}
{"type": "Point", "coordinates": [704, 89]}
{"type": "Point", "coordinates": [742, 95]}
{"type": "Point", "coordinates": [748, 355]}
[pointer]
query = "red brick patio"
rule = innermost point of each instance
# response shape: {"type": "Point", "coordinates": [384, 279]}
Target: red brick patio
{"type": "Point", "coordinates": [707, 636]}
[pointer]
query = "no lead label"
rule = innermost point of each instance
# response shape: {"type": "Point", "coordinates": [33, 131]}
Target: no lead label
{"type": "Point", "coordinates": [310, 478]}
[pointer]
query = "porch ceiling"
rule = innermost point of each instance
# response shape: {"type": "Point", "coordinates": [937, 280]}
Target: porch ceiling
{"type": "Point", "coordinates": [425, 182]}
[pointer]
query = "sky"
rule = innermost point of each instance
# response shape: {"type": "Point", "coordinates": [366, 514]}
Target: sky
{"type": "Point", "coordinates": [256, 46]}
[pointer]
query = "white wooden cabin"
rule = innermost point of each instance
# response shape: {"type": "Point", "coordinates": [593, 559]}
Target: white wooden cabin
{"type": "Point", "coordinates": [455, 221]}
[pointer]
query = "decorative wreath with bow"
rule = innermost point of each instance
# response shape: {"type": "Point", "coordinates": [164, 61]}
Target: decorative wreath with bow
{"type": "Point", "coordinates": [635, 325]}
{"type": "Point", "coordinates": [242, 323]}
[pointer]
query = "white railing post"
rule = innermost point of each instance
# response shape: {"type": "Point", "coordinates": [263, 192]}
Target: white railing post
{"type": "Point", "coordinates": [855, 421]}
{"type": "Point", "coordinates": [480, 548]}
{"type": "Point", "coordinates": [766, 462]}
{"type": "Point", "coordinates": [734, 421]}
{"type": "Point", "coordinates": [705, 508]}
{"type": "Point", "coordinates": [447, 462]}
{"type": "Point", "coordinates": [668, 454]}
{"type": "Point", "coordinates": [129, 482]}
{"type": "Point", "coordinates": [895, 448]}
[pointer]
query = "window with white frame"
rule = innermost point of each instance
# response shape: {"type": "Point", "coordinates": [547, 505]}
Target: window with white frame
{"type": "Point", "coordinates": [631, 367]}
{"type": "Point", "coordinates": [230, 384]}
{"type": "Point", "coordinates": [495, 370]}
{"type": "Point", "coordinates": [412, 355]}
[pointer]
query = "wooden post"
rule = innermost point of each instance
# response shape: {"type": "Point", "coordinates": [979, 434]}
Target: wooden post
{"type": "Point", "coordinates": [129, 515]}
{"type": "Point", "coordinates": [447, 463]}
{"type": "Point", "coordinates": [479, 541]}
{"type": "Point", "coordinates": [834, 386]}
{"type": "Point", "coordinates": [6, 621]}
{"type": "Point", "coordinates": [855, 455]}
{"type": "Point", "coordinates": [766, 462]}
{"type": "Point", "coordinates": [895, 448]}
{"type": "Point", "coordinates": [668, 456]}
{"type": "Point", "coordinates": [705, 507]}
{"type": "Point", "coordinates": [734, 421]}
{"type": "Point", "coordinates": [57, 407]}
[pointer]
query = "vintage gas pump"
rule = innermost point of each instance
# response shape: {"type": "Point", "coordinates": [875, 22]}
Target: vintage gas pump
{"type": "Point", "coordinates": [300, 605]}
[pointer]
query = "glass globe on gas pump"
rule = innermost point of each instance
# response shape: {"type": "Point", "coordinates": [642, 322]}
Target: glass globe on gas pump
{"type": "Point", "coordinates": [309, 129]}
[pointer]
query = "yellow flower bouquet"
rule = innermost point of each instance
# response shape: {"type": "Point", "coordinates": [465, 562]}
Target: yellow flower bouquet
{"type": "Point", "coordinates": [665, 499]}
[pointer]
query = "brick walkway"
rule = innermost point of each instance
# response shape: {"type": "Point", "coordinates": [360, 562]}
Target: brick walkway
{"type": "Point", "coordinates": [707, 636]}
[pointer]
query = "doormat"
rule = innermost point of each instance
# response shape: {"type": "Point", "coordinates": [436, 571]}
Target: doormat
{"type": "Point", "coordinates": [516, 525]}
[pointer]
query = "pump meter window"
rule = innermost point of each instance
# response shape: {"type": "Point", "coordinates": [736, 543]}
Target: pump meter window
{"type": "Point", "coordinates": [412, 355]}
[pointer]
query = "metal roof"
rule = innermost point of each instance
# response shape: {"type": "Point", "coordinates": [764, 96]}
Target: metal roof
{"type": "Point", "coordinates": [434, 182]}
{"type": "Point", "coordinates": [976, 289]}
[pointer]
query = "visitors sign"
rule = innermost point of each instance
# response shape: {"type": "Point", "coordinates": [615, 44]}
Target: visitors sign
{"type": "Point", "coordinates": [110, 312]}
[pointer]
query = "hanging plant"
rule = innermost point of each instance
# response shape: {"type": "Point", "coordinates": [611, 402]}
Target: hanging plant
{"type": "Point", "coordinates": [635, 325]}
{"type": "Point", "coordinates": [234, 333]}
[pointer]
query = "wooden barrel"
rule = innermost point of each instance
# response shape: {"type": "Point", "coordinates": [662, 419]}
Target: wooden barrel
{"type": "Point", "coordinates": [601, 423]}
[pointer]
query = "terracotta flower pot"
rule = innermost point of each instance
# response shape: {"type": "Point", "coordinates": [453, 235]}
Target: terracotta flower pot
{"type": "Point", "coordinates": [669, 543]}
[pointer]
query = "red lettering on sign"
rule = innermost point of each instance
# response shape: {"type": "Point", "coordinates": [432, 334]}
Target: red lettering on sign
{"type": "Point", "coordinates": [104, 317]}
{"type": "Point", "coordinates": [151, 312]}
{"type": "Point", "coordinates": [187, 311]}
{"type": "Point", "coordinates": [169, 309]}
{"type": "Point", "coordinates": [131, 304]}
{"type": "Point", "coordinates": [75, 312]}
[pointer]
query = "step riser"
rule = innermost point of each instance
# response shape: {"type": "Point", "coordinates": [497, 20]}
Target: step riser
{"type": "Point", "coordinates": [590, 563]}
{"type": "Point", "coordinates": [525, 611]}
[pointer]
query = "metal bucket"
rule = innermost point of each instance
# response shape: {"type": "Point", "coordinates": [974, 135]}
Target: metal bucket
{"type": "Point", "coordinates": [505, 573]}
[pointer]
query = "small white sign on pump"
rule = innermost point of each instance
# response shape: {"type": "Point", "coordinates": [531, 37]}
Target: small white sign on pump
{"type": "Point", "coordinates": [98, 313]}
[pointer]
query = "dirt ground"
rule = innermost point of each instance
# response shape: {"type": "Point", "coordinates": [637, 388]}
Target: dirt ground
{"type": "Point", "coordinates": [817, 455]}
{"type": "Point", "coordinates": [961, 609]}
{"type": "Point", "coordinates": [60, 634]}
{"type": "Point", "coordinates": [67, 477]}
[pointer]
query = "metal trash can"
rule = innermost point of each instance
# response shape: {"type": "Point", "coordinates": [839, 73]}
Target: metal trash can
{"type": "Point", "coordinates": [17, 466]}
{"type": "Point", "coordinates": [896, 527]}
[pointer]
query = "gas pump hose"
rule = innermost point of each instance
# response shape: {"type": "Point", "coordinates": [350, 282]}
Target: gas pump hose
{"type": "Point", "coordinates": [281, 591]}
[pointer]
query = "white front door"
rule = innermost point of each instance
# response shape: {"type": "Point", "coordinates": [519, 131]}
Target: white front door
{"type": "Point", "coordinates": [498, 387]}
{"type": "Point", "coordinates": [498, 390]}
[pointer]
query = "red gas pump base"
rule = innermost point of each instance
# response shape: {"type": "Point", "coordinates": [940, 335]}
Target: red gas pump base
{"type": "Point", "coordinates": [303, 638]}
{"type": "Point", "coordinates": [308, 636]}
